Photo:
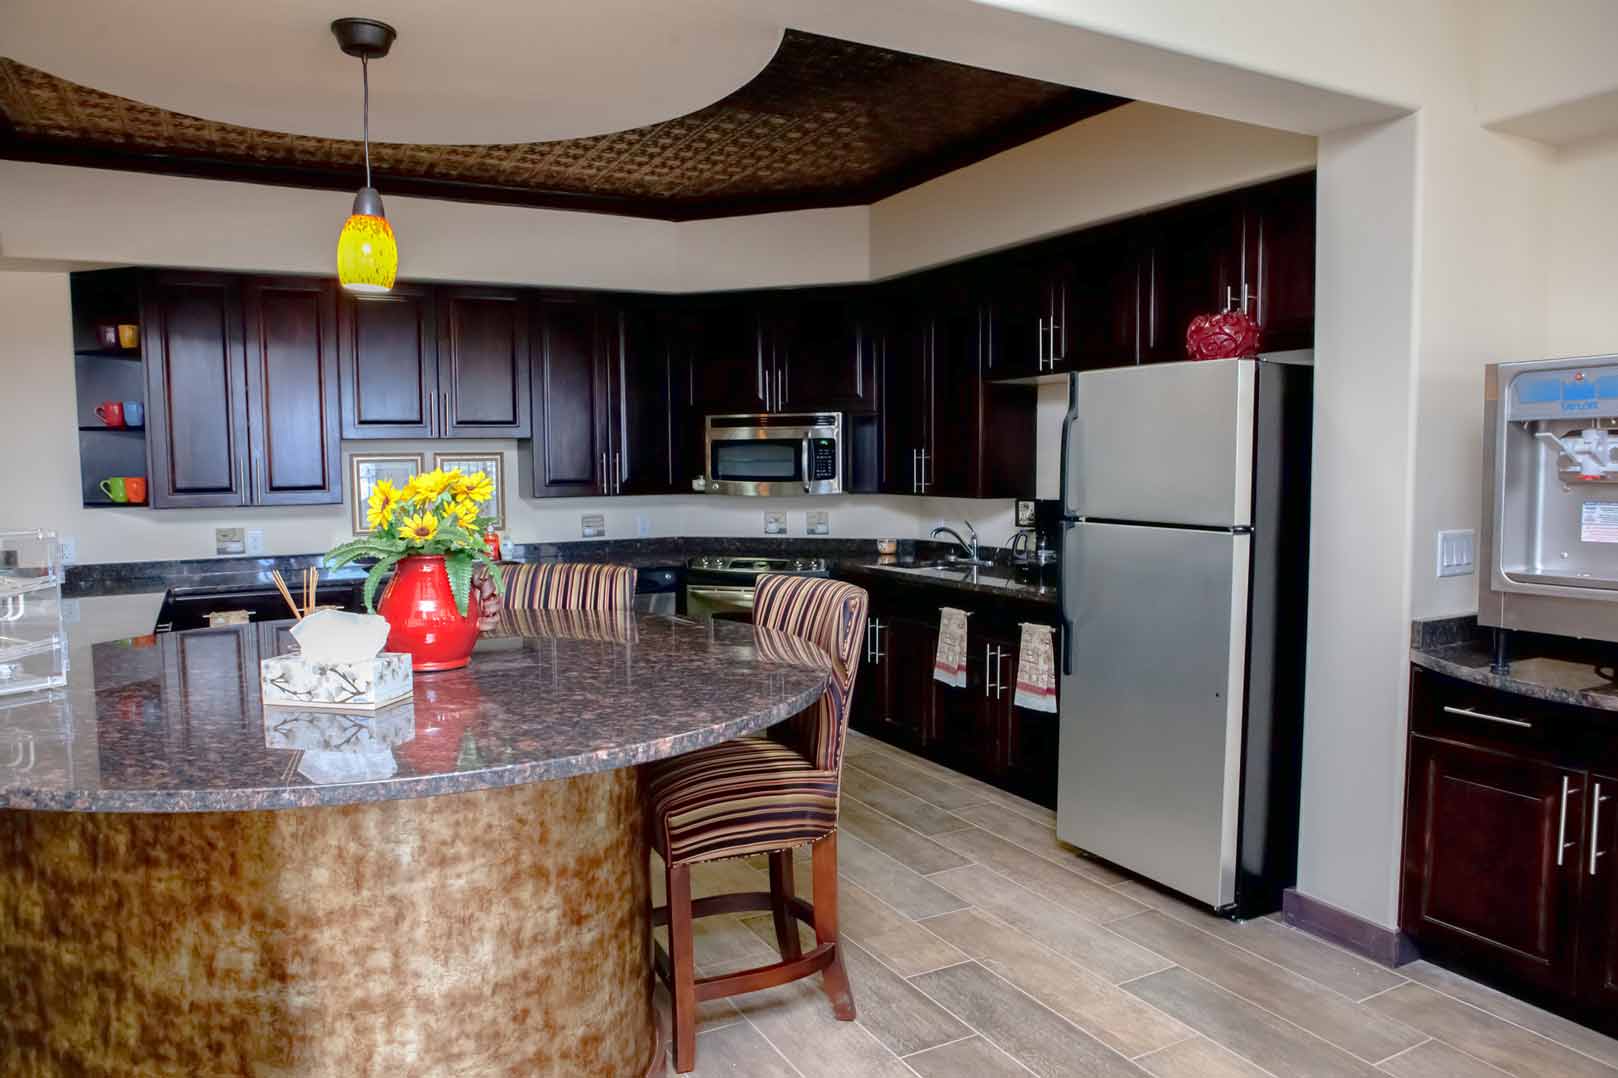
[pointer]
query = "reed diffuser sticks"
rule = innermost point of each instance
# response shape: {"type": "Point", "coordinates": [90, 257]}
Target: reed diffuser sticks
{"type": "Point", "coordinates": [311, 585]}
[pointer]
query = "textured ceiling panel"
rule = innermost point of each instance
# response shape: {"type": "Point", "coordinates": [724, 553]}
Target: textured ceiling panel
{"type": "Point", "coordinates": [827, 122]}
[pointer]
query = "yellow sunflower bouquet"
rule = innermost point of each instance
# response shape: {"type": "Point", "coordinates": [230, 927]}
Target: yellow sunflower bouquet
{"type": "Point", "coordinates": [436, 512]}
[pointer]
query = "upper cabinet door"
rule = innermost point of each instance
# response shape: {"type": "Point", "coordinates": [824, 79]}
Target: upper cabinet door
{"type": "Point", "coordinates": [1099, 323]}
{"type": "Point", "coordinates": [1281, 262]}
{"type": "Point", "coordinates": [570, 451]}
{"type": "Point", "coordinates": [387, 354]}
{"type": "Point", "coordinates": [729, 369]}
{"type": "Point", "coordinates": [646, 437]}
{"type": "Point", "coordinates": [824, 350]}
{"type": "Point", "coordinates": [1194, 266]}
{"type": "Point", "coordinates": [292, 390]}
{"type": "Point", "coordinates": [196, 400]}
{"type": "Point", "coordinates": [483, 363]}
{"type": "Point", "coordinates": [907, 394]}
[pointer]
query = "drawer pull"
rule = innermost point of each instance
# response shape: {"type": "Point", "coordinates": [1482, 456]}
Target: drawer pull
{"type": "Point", "coordinates": [1562, 843]}
{"type": "Point", "coordinates": [1467, 712]}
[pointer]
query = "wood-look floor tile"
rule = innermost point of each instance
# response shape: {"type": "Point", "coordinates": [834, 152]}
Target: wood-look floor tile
{"type": "Point", "coordinates": [1435, 1059]}
{"type": "Point", "coordinates": [1108, 1013]}
{"type": "Point", "coordinates": [1258, 1036]}
{"type": "Point", "coordinates": [909, 777]}
{"type": "Point", "coordinates": [901, 943]}
{"type": "Point", "coordinates": [1316, 1008]}
{"type": "Point", "coordinates": [907, 808]}
{"type": "Point", "coordinates": [1080, 894]}
{"type": "Point", "coordinates": [1063, 931]}
{"type": "Point", "coordinates": [797, 1019]}
{"type": "Point", "coordinates": [1028, 1032]}
{"type": "Point", "coordinates": [1039, 837]}
{"type": "Point", "coordinates": [899, 842]}
{"type": "Point", "coordinates": [1511, 1048]}
{"type": "Point", "coordinates": [913, 895]}
{"type": "Point", "coordinates": [1344, 973]}
{"type": "Point", "coordinates": [971, 1058]}
{"type": "Point", "coordinates": [1198, 1058]}
{"type": "Point", "coordinates": [1579, 1038]}
{"type": "Point", "coordinates": [735, 1051]}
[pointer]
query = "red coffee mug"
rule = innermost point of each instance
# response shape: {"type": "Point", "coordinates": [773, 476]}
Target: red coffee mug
{"type": "Point", "coordinates": [135, 488]}
{"type": "Point", "coordinates": [111, 413]}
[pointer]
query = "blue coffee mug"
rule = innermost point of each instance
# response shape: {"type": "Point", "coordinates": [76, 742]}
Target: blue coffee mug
{"type": "Point", "coordinates": [134, 414]}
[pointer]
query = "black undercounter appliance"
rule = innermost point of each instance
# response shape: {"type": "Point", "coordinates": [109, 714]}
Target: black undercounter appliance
{"type": "Point", "coordinates": [1185, 540]}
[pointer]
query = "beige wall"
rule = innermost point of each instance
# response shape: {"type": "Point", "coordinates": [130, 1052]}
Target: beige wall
{"type": "Point", "coordinates": [1581, 280]}
{"type": "Point", "coordinates": [1121, 162]}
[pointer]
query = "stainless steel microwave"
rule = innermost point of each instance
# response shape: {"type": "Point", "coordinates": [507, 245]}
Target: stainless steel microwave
{"type": "Point", "coordinates": [774, 454]}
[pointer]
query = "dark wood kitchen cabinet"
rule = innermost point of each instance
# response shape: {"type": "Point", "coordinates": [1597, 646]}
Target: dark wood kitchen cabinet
{"type": "Point", "coordinates": [646, 374]}
{"type": "Point", "coordinates": [292, 410]}
{"type": "Point", "coordinates": [725, 359]}
{"type": "Point", "coordinates": [1192, 265]}
{"type": "Point", "coordinates": [1074, 305]}
{"type": "Point", "coordinates": [483, 363]}
{"type": "Point", "coordinates": [1280, 261]}
{"type": "Point", "coordinates": [822, 348]}
{"type": "Point", "coordinates": [387, 353]}
{"type": "Point", "coordinates": [1510, 815]}
{"type": "Point", "coordinates": [196, 393]}
{"type": "Point", "coordinates": [893, 697]}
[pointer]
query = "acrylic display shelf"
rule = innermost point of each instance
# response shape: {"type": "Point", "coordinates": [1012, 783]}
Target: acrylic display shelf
{"type": "Point", "coordinates": [33, 644]}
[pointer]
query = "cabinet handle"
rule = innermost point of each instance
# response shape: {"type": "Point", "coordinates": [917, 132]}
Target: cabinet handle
{"type": "Point", "coordinates": [879, 656]}
{"type": "Point", "coordinates": [1039, 345]}
{"type": "Point", "coordinates": [999, 673]}
{"type": "Point", "coordinates": [617, 473]}
{"type": "Point", "coordinates": [781, 389]}
{"type": "Point", "coordinates": [915, 472]}
{"type": "Point", "coordinates": [767, 406]}
{"type": "Point", "coordinates": [446, 411]}
{"type": "Point", "coordinates": [1595, 828]}
{"type": "Point", "coordinates": [606, 487]}
{"type": "Point", "coordinates": [1466, 712]}
{"type": "Point", "coordinates": [925, 482]}
{"type": "Point", "coordinates": [988, 678]}
{"type": "Point", "coordinates": [1561, 827]}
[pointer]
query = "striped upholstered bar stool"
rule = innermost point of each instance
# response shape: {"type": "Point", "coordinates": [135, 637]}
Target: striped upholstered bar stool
{"type": "Point", "coordinates": [763, 795]}
{"type": "Point", "coordinates": [568, 586]}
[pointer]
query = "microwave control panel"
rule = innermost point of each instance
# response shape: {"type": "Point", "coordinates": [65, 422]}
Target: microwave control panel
{"type": "Point", "coordinates": [822, 459]}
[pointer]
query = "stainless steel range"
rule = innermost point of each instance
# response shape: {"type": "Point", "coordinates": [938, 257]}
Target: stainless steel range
{"type": "Point", "coordinates": [722, 585]}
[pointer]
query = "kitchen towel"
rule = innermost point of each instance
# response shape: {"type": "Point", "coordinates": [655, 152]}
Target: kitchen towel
{"type": "Point", "coordinates": [949, 666]}
{"type": "Point", "coordinates": [1036, 669]}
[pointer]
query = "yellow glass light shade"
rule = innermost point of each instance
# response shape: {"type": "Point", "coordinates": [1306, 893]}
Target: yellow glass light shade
{"type": "Point", "coordinates": [367, 256]}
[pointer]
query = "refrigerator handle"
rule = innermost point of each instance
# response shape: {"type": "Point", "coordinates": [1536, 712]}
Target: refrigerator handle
{"type": "Point", "coordinates": [1067, 426]}
{"type": "Point", "coordinates": [1066, 628]}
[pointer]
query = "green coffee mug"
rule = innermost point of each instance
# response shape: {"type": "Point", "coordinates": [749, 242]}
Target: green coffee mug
{"type": "Point", "coordinates": [114, 489]}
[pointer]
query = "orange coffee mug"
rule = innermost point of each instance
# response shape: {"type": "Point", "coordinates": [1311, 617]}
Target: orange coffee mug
{"type": "Point", "coordinates": [135, 488]}
{"type": "Point", "coordinates": [128, 335]}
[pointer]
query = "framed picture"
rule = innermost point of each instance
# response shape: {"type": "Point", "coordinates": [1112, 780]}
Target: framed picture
{"type": "Point", "coordinates": [365, 470]}
{"type": "Point", "coordinates": [489, 465]}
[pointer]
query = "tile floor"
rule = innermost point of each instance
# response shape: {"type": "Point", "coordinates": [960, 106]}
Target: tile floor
{"type": "Point", "coordinates": [979, 946]}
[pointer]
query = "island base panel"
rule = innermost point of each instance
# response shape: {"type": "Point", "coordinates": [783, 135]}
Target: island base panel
{"type": "Point", "coordinates": [490, 933]}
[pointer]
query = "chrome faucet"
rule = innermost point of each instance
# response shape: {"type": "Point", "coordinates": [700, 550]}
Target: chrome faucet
{"type": "Point", "coordinates": [971, 548]}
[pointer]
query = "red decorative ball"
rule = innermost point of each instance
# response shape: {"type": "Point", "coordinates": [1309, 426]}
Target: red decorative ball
{"type": "Point", "coordinates": [1230, 335]}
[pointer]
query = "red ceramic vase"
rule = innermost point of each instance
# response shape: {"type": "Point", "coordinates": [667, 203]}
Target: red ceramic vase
{"type": "Point", "coordinates": [1228, 335]}
{"type": "Point", "coordinates": [422, 619]}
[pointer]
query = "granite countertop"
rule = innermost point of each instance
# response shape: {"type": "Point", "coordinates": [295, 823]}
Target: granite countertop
{"type": "Point", "coordinates": [1034, 584]}
{"type": "Point", "coordinates": [1554, 669]}
{"type": "Point", "coordinates": [175, 723]}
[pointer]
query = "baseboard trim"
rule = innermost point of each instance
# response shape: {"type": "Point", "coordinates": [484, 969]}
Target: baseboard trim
{"type": "Point", "coordinates": [1386, 946]}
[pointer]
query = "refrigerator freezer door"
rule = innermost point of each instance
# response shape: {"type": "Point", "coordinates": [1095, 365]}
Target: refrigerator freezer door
{"type": "Point", "coordinates": [1170, 443]}
{"type": "Point", "coordinates": [1151, 715]}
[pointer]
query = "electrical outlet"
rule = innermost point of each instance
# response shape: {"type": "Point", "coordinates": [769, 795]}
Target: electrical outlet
{"type": "Point", "coordinates": [643, 525]}
{"type": "Point", "coordinates": [230, 541]}
{"type": "Point", "coordinates": [594, 525]}
{"type": "Point", "coordinates": [775, 522]}
{"type": "Point", "coordinates": [817, 522]}
{"type": "Point", "coordinates": [1456, 552]}
{"type": "Point", "coordinates": [69, 546]}
{"type": "Point", "coordinates": [255, 540]}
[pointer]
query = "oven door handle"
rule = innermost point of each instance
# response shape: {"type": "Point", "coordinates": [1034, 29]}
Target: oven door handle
{"type": "Point", "coordinates": [740, 596]}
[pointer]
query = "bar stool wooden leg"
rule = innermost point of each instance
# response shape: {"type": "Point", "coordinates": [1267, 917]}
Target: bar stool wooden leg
{"type": "Point", "coordinates": [825, 903]}
{"type": "Point", "coordinates": [682, 959]}
{"type": "Point", "coordinates": [781, 892]}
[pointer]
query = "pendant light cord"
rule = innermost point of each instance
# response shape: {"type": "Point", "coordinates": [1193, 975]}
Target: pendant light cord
{"type": "Point", "coordinates": [365, 114]}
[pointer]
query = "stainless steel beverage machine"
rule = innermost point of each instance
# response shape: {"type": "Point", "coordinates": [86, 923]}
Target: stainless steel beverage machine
{"type": "Point", "coordinates": [1549, 544]}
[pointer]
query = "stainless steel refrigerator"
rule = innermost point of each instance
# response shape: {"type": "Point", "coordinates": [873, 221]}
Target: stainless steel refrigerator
{"type": "Point", "coordinates": [1185, 504]}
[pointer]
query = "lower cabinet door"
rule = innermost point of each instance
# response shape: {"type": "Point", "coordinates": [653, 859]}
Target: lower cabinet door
{"type": "Point", "coordinates": [906, 647]}
{"type": "Point", "coordinates": [1494, 860]}
{"type": "Point", "coordinates": [1598, 950]}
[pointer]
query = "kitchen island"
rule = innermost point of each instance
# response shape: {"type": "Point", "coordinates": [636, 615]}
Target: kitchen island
{"type": "Point", "coordinates": [192, 883]}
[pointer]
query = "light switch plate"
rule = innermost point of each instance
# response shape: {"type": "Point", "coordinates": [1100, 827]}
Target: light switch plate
{"type": "Point", "coordinates": [230, 541]}
{"type": "Point", "coordinates": [817, 522]}
{"type": "Point", "coordinates": [775, 522]}
{"type": "Point", "coordinates": [643, 525]}
{"type": "Point", "coordinates": [594, 525]}
{"type": "Point", "coordinates": [1457, 550]}
{"type": "Point", "coordinates": [255, 540]}
{"type": "Point", "coordinates": [69, 546]}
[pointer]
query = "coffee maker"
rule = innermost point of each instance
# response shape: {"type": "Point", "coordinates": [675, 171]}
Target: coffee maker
{"type": "Point", "coordinates": [1548, 551]}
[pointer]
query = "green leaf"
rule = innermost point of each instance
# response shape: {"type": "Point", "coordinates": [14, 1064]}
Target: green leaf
{"type": "Point", "coordinates": [374, 578]}
{"type": "Point", "coordinates": [458, 565]}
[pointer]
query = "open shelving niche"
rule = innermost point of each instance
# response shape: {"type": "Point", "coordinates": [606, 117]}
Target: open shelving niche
{"type": "Point", "coordinates": [103, 374]}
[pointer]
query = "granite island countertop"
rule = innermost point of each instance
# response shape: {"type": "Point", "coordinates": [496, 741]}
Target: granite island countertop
{"type": "Point", "coordinates": [1554, 669]}
{"type": "Point", "coordinates": [174, 722]}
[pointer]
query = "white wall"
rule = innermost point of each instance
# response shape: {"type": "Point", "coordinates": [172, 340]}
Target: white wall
{"type": "Point", "coordinates": [1581, 279]}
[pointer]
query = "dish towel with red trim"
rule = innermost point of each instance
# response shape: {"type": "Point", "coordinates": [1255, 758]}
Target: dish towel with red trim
{"type": "Point", "coordinates": [1036, 669]}
{"type": "Point", "coordinates": [949, 665]}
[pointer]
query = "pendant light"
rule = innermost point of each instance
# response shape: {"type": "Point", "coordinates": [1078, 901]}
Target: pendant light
{"type": "Point", "coordinates": [367, 256]}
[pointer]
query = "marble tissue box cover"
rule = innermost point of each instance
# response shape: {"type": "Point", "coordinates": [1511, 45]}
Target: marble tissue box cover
{"type": "Point", "coordinates": [364, 685]}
